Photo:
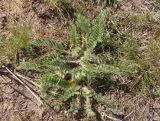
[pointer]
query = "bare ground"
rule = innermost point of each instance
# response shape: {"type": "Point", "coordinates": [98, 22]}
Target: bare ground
{"type": "Point", "coordinates": [17, 103]}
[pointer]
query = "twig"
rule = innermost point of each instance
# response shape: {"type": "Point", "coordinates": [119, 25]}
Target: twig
{"type": "Point", "coordinates": [26, 86]}
{"type": "Point", "coordinates": [27, 79]}
{"type": "Point", "coordinates": [114, 119]}
{"type": "Point", "coordinates": [121, 78]}
{"type": "Point", "coordinates": [128, 115]}
{"type": "Point", "coordinates": [116, 27]}
{"type": "Point", "coordinates": [21, 93]}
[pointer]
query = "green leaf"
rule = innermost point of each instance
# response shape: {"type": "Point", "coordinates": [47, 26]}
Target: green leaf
{"type": "Point", "coordinates": [76, 52]}
{"type": "Point", "coordinates": [68, 93]}
{"type": "Point", "coordinates": [103, 68]}
{"type": "Point", "coordinates": [103, 100]}
{"type": "Point", "coordinates": [97, 31]}
{"type": "Point", "coordinates": [78, 74]}
{"type": "Point", "coordinates": [49, 80]}
{"type": "Point", "coordinates": [54, 60]}
{"type": "Point", "coordinates": [49, 43]}
{"type": "Point", "coordinates": [82, 23]}
{"type": "Point", "coordinates": [74, 36]}
{"type": "Point", "coordinates": [86, 92]}
{"type": "Point", "coordinates": [88, 108]}
{"type": "Point", "coordinates": [31, 66]}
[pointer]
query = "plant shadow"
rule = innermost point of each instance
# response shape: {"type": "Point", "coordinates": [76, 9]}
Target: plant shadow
{"type": "Point", "coordinates": [105, 83]}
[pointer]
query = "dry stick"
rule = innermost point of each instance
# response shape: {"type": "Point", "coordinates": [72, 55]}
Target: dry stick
{"type": "Point", "coordinates": [113, 119]}
{"type": "Point", "coordinates": [128, 115]}
{"type": "Point", "coordinates": [27, 79]}
{"type": "Point", "coordinates": [21, 93]}
{"type": "Point", "coordinates": [28, 88]}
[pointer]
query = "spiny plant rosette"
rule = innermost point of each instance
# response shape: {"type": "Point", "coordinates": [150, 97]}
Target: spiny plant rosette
{"type": "Point", "coordinates": [72, 71]}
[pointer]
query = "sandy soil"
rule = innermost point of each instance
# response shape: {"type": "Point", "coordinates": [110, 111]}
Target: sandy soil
{"type": "Point", "coordinates": [36, 14]}
{"type": "Point", "coordinates": [17, 103]}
